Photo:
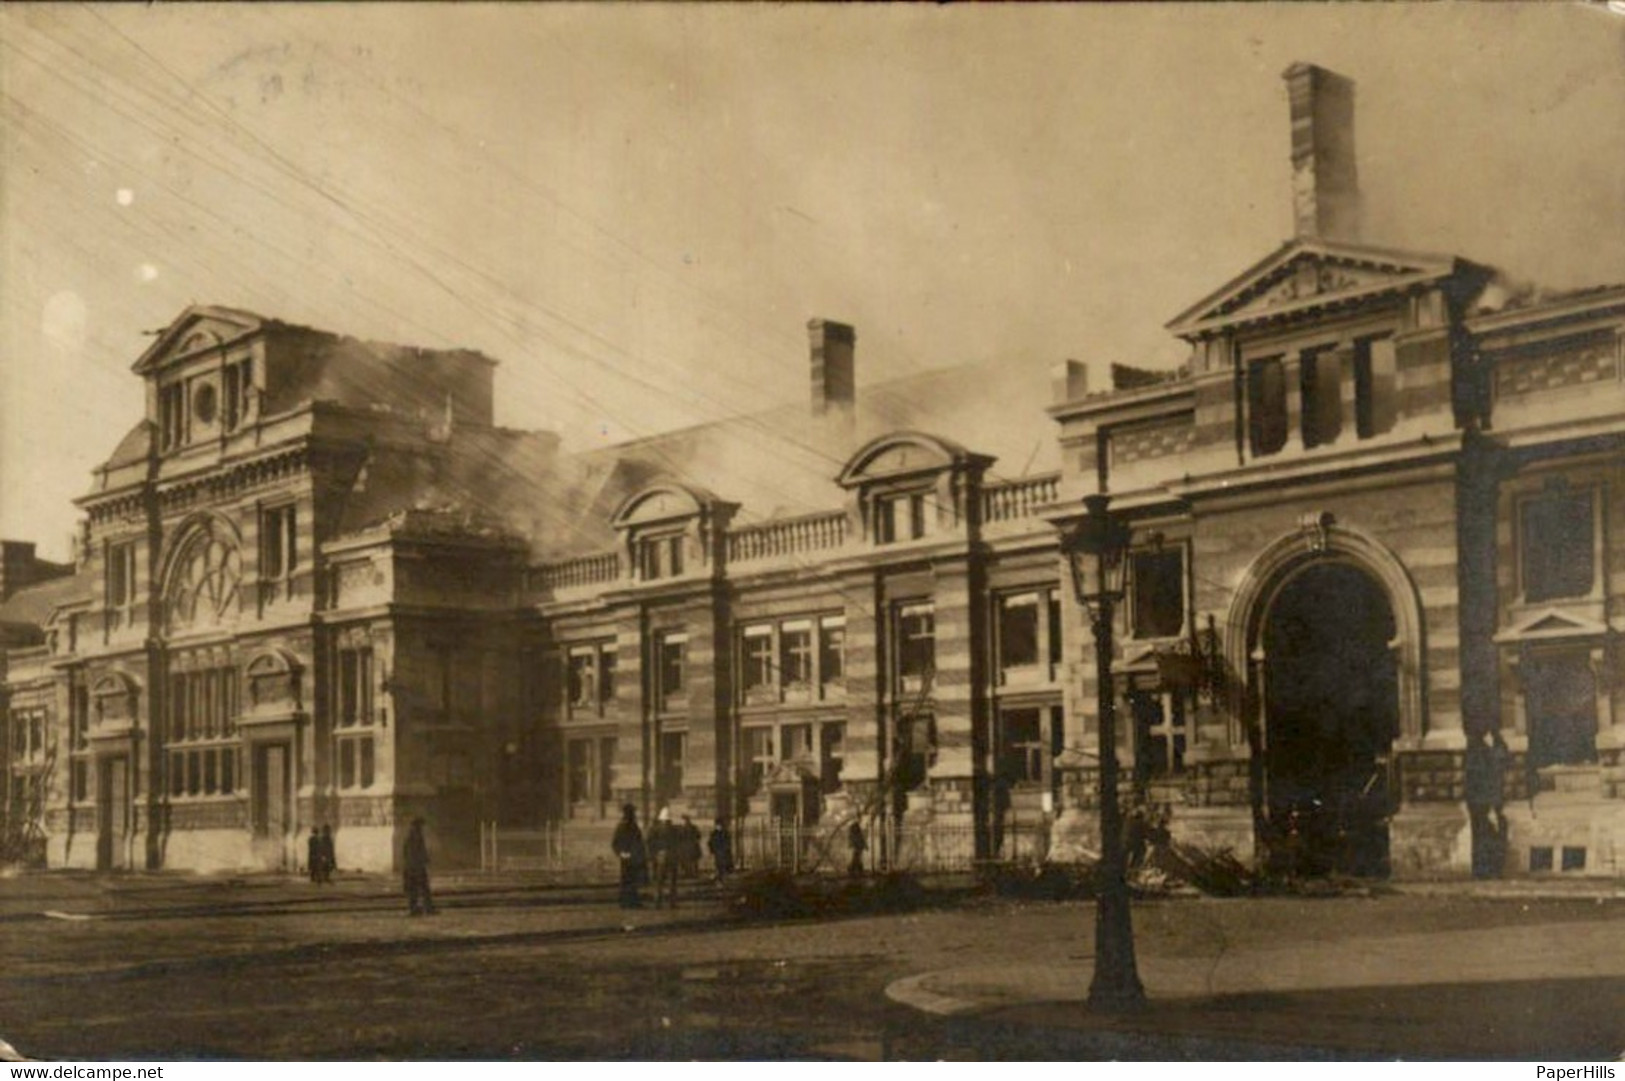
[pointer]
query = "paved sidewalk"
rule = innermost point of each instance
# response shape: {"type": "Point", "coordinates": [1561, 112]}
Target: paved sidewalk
{"type": "Point", "coordinates": [1483, 993]}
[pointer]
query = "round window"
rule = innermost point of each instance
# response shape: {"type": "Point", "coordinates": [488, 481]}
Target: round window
{"type": "Point", "coordinates": [205, 403]}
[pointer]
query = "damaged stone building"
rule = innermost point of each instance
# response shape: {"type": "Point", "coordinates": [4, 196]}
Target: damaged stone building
{"type": "Point", "coordinates": [1376, 513]}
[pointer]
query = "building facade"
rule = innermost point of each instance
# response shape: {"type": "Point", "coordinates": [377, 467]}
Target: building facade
{"type": "Point", "coordinates": [1375, 515]}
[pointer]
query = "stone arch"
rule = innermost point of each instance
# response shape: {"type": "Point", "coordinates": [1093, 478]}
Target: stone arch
{"type": "Point", "coordinates": [1321, 539]}
{"type": "Point", "coordinates": [202, 576]}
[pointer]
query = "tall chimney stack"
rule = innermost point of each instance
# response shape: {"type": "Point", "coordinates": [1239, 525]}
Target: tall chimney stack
{"type": "Point", "coordinates": [834, 374]}
{"type": "Point", "coordinates": [1325, 183]}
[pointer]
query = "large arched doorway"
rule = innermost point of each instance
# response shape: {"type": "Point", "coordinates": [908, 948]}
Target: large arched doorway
{"type": "Point", "coordinates": [1331, 712]}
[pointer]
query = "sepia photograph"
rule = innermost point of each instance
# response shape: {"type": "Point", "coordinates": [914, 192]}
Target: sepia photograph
{"type": "Point", "coordinates": [812, 533]}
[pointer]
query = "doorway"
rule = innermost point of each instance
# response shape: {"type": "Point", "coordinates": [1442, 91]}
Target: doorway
{"type": "Point", "coordinates": [271, 803]}
{"type": "Point", "coordinates": [1331, 712]}
{"type": "Point", "coordinates": [113, 813]}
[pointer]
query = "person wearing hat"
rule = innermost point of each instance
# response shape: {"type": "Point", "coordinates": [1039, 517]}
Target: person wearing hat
{"type": "Point", "coordinates": [415, 872]}
{"type": "Point", "coordinates": [666, 853]}
{"type": "Point", "coordinates": [628, 847]}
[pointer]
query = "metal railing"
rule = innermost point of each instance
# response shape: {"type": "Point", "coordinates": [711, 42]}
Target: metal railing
{"type": "Point", "coordinates": [921, 848]}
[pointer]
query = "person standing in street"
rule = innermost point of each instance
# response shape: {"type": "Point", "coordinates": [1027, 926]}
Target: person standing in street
{"type": "Point", "coordinates": [689, 834]}
{"type": "Point", "coordinates": [627, 843]}
{"type": "Point", "coordinates": [313, 856]}
{"type": "Point", "coordinates": [665, 853]}
{"type": "Point", "coordinates": [722, 850]}
{"type": "Point", "coordinates": [415, 872]}
{"type": "Point", "coordinates": [330, 859]}
{"type": "Point", "coordinates": [858, 844]}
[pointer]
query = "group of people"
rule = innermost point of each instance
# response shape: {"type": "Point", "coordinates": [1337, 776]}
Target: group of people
{"type": "Point", "coordinates": [320, 860]}
{"type": "Point", "coordinates": [670, 851]}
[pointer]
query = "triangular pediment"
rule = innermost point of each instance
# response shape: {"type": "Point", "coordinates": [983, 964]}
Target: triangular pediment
{"type": "Point", "coordinates": [1552, 623]}
{"type": "Point", "coordinates": [197, 329]}
{"type": "Point", "coordinates": [1303, 275]}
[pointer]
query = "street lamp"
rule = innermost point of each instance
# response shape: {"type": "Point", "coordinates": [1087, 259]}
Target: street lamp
{"type": "Point", "coordinates": [1095, 549]}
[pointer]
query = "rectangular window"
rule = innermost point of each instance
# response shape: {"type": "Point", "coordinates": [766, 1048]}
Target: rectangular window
{"type": "Point", "coordinates": [1574, 858]}
{"type": "Point", "coordinates": [79, 706]}
{"type": "Point", "coordinates": [172, 415]}
{"type": "Point", "coordinates": [673, 753]}
{"type": "Point", "coordinates": [194, 773]}
{"type": "Point", "coordinates": [579, 780]}
{"type": "Point", "coordinates": [211, 779]}
{"type": "Point", "coordinates": [796, 742]}
{"type": "Point", "coordinates": [355, 687]}
{"type": "Point", "coordinates": [1157, 600]}
{"type": "Point", "coordinates": [606, 673]}
{"type": "Point", "coordinates": [757, 757]}
{"type": "Point", "coordinates": [1018, 634]}
{"type": "Point", "coordinates": [605, 790]}
{"type": "Point", "coordinates": [81, 780]}
{"type": "Point", "coordinates": [916, 647]}
{"type": "Point", "coordinates": [177, 774]}
{"type": "Point", "coordinates": [1375, 375]}
{"type": "Point", "coordinates": [1266, 405]}
{"type": "Point", "coordinates": [832, 652]}
{"type": "Point", "coordinates": [1159, 734]}
{"type": "Point", "coordinates": [121, 581]}
{"type": "Point", "coordinates": [1320, 379]}
{"type": "Point", "coordinates": [796, 654]}
{"type": "Point", "coordinates": [660, 557]}
{"type": "Point", "coordinates": [1556, 546]}
{"type": "Point", "coordinates": [756, 660]}
{"type": "Point", "coordinates": [278, 543]}
{"type": "Point", "coordinates": [1560, 699]}
{"type": "Point", "coordinates": [673, 688]}
{"type": "Point", "coordinates": [1021, 747]}
{"type": "Point", "coordinates": [900, 518]}
{"type": "Point", "coordinates": [583, 677]}
{"type": "Point", "coordinates": [355, 763]}
{"type": "Point", "coordinates": [915, 743]}
{"type": "Point", "coordinates": [831, 756]}
{"type": "Point", "coordinates": [228, 771]}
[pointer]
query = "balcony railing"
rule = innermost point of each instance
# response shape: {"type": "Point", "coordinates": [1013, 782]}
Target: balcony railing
{"type": "Point", "coordinates": [1009, 501]}
{"type": "Point", "coordinates": [787, 536]}
{"type": "Point", "coordinates": [580, 571]}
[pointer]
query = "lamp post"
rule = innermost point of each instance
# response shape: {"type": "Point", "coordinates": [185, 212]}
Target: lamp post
{"type": "Point", "coordinates": [1095, 549]}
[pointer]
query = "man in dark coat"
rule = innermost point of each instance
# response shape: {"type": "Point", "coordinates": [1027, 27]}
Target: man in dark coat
{"type": "Point", "coordinates": [722, 850]}
{"type": "Point", "coordinates": [313, 856]}
{"type": "Point", "coordinates": [415, 872]}
{"type": "Point", "coordinates": [628, 847]}
{"type": "Point", "coordinates": [858, 845]}
{"type": "Point", "coordinates": [330, 860]}
{"type": "Point", "coordinates": [689, 834]}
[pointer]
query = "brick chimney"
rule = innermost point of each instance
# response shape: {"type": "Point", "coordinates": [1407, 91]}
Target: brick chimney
{"type": "Point", "coordinates": [834, 375]}
{"type": "Point", "coordinates": [1325, 183]}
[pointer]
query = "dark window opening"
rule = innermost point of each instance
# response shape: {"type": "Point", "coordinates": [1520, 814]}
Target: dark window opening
{"type": "Point", "coordinates": [1018, 631]}
{"type": "Point", "coordinates": [1320, 381]}
{"type": "Point", "coordinates": [1540, 858]}
{"type": "Point", "coordinates": [916, 647]}
{"type": "Point", "coordinates": [1556, 546]}
{"type": "Point", "coordinates": [1021, 750]}
{"type": "Point", "coordinates": [1157, 603]}
{"type": "Point", "coordinates": [1374, 379]}
{"type": "Point", "coordinates": [672, 754]}
{"type": "Point", "coordinates": [832, 757]}
{"type": "Point", "coordinates": [1266, 405]}
{"type": "Point", "coordinates": [1561, 704]}
{"type": "Point", "coordinates": [1574, 858]}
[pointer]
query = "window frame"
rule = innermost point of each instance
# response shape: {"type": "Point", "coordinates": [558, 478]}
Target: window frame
{"type": "Point", "coordinates": [1592, 494]}
{"type": "Point", "coordinates": [1133, 596]}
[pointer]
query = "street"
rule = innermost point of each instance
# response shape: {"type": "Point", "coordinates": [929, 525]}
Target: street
{"type": "Point", "coordinates": [168, 967]}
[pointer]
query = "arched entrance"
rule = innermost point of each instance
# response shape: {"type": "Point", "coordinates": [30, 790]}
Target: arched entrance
{"type": "Point", "coordinates": [1330, 698]}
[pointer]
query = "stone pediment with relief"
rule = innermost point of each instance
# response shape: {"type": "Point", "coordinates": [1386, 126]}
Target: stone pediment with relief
{"type": "Point", "coordinates": [197, 329]}
{"type": "Point", "coordinates": [1549, 623]}
{"type": "Point", "coordinates": [1305, 275]}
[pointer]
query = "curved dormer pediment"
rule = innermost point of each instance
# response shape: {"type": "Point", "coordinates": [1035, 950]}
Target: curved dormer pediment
{"type": "Point", "coordinates": [661, 503]}
{"type": "Point", "coordinates": [904, 454]}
